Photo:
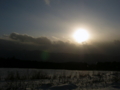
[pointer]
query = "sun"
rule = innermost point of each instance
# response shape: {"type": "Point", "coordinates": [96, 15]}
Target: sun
{"type": "Point", "coordinates": [81, 35]}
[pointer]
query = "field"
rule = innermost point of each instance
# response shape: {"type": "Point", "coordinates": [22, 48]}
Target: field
{"type": "Point", "coordinates": [40, 79]}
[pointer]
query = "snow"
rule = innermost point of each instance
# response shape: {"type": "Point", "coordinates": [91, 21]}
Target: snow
{"type": "Point", "coordinates": [43, 79]}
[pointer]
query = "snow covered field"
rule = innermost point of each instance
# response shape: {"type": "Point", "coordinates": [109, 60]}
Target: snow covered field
{"type": "Point", "coordinates": [40, 79]}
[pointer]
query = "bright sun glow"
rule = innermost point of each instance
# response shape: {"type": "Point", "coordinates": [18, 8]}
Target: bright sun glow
{"type": "Point", "coordinates": [81, 35]}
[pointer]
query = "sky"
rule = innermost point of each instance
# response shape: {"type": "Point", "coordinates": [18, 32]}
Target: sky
{"type": "Point", "coordinates": [28, 27]}
{"type": "Point", "coordinates": [58, 19]}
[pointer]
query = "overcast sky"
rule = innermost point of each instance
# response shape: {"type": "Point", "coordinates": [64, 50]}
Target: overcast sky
{"type": "Point", "coordinates": [58, 19]}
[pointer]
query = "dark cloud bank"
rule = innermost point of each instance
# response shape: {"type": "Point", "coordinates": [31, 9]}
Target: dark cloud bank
{"type": "Point", "coordinates": [26, 47]}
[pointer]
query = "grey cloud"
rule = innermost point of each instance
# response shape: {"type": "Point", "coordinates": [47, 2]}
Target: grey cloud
{"type": "Point", "coordinates": [23, 38]}
{"type": "Point", "coordinates": [22, 42]}
{"type": "Point", "coordinates": [26, 42]}
{"type": "Point", "coordinates": [27, 38]}
{"type": "Point", "coordinates": [42, 40]}
{"type": "Point", "coordinates": [55, 38]}
{"type": "Point", "coordinates": [27, 47]}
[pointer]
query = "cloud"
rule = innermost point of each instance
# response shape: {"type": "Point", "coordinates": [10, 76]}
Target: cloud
{"type": "Point", "coordinates": [27, 38]}
{"type": "Point", "coordinates": [55, 38]}
{"type": "Point", "coordinates": [27, 47]}
{"type": "Point", "coordinates": [23, 41]}
{"type": "Point", "coordinates": [43, 43]}
{"type": "Point", "coordinates": [47, 2]}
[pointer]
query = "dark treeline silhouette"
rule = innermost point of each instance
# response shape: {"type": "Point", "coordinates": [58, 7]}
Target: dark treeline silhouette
{"type": "Point", "coordinates": [16, 63]}
{"type": "Point", "coordinates": [46, 56]}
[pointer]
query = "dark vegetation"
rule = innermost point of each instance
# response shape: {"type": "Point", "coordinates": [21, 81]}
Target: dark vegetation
{"type": "Point", "coordinates": [16, 63]}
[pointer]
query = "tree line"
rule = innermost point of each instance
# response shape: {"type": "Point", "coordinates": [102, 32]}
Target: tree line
{"type": "Point", "coordinates": [17, 63]}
